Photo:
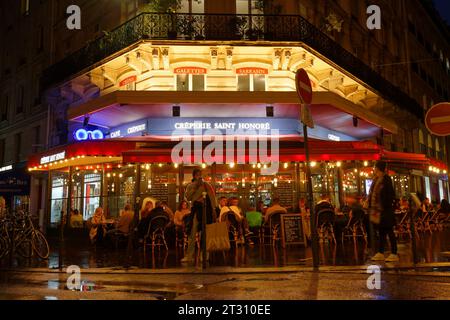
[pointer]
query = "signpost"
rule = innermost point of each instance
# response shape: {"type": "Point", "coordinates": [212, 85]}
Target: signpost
{"type": "Point", "coordinates": [304, 91]}
{"type": "Point", "coordinates": [437, 119]}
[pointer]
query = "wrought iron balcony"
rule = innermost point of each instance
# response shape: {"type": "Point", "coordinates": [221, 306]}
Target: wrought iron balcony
{"type": "Point", "coordinates": [224, 27]}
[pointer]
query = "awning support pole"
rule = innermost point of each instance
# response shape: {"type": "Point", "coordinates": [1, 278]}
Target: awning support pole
{"type": "Point", "coordinates": [314, 235]}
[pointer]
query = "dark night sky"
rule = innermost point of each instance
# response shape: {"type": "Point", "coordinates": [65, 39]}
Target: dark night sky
{"type": "Point", "coordinates": [443, 6]}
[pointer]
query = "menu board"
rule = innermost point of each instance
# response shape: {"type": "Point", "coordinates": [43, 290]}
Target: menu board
{"type": "Point", "coordinates": [292, 230]}
{"type": "Point", "coordinates": [160, 188]}
{"type": "Point", "coordinates": [285, 193]}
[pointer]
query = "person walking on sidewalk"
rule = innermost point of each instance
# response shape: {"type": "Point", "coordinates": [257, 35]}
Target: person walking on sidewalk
{"type": "Point", "coordinates": [381, 209]}
{"type": "Point", "coordinates": [194, 194]}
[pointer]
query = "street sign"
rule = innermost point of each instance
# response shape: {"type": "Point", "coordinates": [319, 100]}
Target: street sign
{"type": "Point", "coordinates": [303, 86]}
{"type": "Point", "coordinates": [437, 119]}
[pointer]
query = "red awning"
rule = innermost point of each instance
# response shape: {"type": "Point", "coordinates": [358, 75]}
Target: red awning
{"type": "Point", "coordinates": [151, 149]}
{"type": "Point", "coordinates": [290, 149]}
{"type": "Point", "coordinates": [404, 157]}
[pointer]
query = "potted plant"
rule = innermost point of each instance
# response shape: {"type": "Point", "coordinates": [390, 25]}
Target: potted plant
{"type": "Point", "coordinates": [170, 7]}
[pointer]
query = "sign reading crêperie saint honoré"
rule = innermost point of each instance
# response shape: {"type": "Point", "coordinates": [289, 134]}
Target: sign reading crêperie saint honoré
{"type": "Point", "coordinates": [437, 119]}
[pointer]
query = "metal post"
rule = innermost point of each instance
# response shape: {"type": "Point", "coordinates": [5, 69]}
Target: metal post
{"type": "Point", "coordinates": [358, 177]}
{"type": "Point", "coordinates": [61, 241]}
{"type": "Point", "coordinates": [203, 232]}
{"type": "Point", "coordinates": [137, 199]}
{"type": "Point", "coordinates": [69, 198]}
{"type": "Point", "coordinates": [314, 235]}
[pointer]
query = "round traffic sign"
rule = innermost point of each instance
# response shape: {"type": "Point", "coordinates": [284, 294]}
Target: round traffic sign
{"type": "Point", "coordinates": [437, 119]}
{"type": "Point", "coordinates": [303, 86]}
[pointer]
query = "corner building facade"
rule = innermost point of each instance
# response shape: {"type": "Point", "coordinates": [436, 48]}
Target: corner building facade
{"type": "Point", "coordinates": [118, 103]}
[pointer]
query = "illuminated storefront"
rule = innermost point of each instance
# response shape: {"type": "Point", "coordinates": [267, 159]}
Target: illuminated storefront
{"type": "Point", "coordinates": [121, 135]}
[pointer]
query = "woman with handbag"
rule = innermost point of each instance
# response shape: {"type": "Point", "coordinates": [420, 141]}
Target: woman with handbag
{"type": "Point", "coordinates": [381, 210]}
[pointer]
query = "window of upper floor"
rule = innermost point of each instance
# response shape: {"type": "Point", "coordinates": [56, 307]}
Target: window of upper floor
{"type": "Point", "coordinates": [190, 82]}
{"type": "Point", "coordinates": [251, 82]}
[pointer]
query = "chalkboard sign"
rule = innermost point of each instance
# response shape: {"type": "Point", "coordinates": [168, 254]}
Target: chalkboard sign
{"type": "Point", "coordinates": [292, 230]}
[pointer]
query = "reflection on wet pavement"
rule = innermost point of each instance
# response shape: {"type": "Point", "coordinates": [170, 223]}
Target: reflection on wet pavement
{"type": "Point", "coordinates": [75, 251]}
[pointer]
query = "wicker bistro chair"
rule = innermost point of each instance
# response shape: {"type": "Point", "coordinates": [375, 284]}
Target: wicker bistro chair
{"type": "Point", "coordinates": [355, 226]}
{"type": "Point", "coordinates": [233, 226]}
{"type": "Point", "coordinates": [156, 232]}
{"type": "Point", "coordinates": [272, 228]}
{"type": "Point", "coordinates": [325, 224]}
{"type": "Point", "coordinates": [403, 224]}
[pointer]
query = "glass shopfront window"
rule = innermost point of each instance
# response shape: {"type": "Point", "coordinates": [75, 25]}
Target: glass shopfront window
{"type": "Point", "coordinates": [160, 182]}
{"type": "Point", "coordinates": [92, 187]}
{"type": "Point", "coordinates": [113, 185]}
{"type": "Point", "coordinates": [58, 201]}
{"type": "Point", "coordinates": [120, 188]}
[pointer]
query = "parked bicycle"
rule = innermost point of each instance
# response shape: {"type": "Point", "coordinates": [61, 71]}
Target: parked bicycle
{"type": "Point", "coordinates": [17, 233]}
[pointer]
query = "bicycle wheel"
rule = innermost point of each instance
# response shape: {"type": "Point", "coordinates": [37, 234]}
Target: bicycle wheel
{"type": "Point", "coordinates": [40, 245]}
{"type": "Point", "coordinates": [24, 248]}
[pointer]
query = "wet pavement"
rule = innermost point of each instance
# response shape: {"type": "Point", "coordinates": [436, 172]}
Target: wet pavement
{"type": "Point", "coordinates": [431, 248]}
{"type": "Point", "coordinates": [247, 273]}
{"type": "Point", "coordinates": [289, 285]}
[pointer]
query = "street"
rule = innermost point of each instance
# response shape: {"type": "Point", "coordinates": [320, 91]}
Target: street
{"type": "Point", "coordinates": [220, 283]}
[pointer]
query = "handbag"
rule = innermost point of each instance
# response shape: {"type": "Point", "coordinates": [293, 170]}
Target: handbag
{"type": "Point", "coordinates": [217, 238]}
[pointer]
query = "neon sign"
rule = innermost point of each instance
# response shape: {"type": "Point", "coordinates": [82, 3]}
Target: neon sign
{"type": "Point", "coordinates": [82, 134]}
{"type": "Point", "coordinates": [334, 137]}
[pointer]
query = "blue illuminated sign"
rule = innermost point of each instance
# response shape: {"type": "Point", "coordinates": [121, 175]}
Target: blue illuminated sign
{"type": "Point", "coordinates": [83, 134]}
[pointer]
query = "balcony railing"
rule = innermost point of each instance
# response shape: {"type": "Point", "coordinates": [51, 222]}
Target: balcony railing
{"type": "Point", "coordinates": [224, 27]}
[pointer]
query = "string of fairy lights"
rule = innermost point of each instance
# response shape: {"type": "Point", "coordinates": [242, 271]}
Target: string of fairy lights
{"type": "Point", "coordinates": [231, 181]}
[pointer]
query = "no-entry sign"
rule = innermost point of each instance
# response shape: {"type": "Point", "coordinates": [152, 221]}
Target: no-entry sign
{"type": "Point", "coordinates": [303, 86]}
{"type": "Point", "coordinates": [437, 119]}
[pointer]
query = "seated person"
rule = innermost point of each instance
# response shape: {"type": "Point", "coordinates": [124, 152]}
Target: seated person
{"type": "Point", "coordinates": [179, 215]}
{"type": "Point", "coordinates": [76, 219]}
{"type": "Point", "coordinates": [323, 205]}
{"type": "Point", "coordinates": [404, 205]}
{"type": "Point", "coordinates": [426, 205]}
{"type": "Point", "coordinates": [231, 207]}
{"type": "Point", "coordinates": [276, 207]}
{"type": "Point", "coordinates": [179, 218]}
{"type": "Point", "coordinates": [444, 210]}
{"type": "Point", "coordinates": [98, 229]}
{"type": "Point", "coordinates": [125, 220]}
{"type": "Point", "coordinates": [241, 220]}
{"type": "Point", "coordinates": [147, 206]}
{"type": "Point", "coordinates": [158, 211]}
{"type": "Point", "coordinates": [223, 202]}
{"type": "Point", "coordinates": [254, 218]}
{"type": "Point", "coordinates": [167, 210]}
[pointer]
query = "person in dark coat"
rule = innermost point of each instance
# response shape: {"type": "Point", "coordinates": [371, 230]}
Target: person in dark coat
{"type": "Point", "coordinates": [194, 194]}
{"type": "Point", "coordinates": [382, 215]}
